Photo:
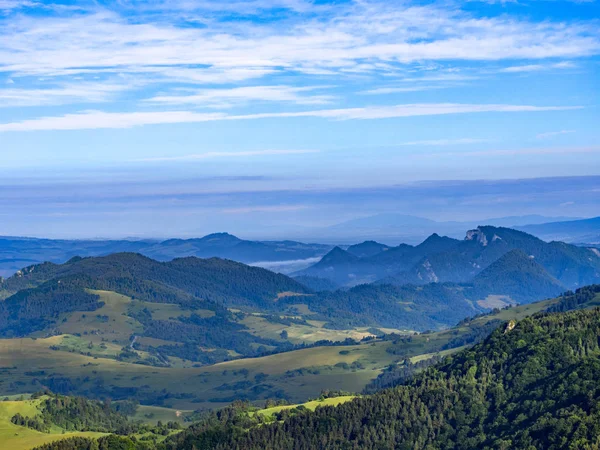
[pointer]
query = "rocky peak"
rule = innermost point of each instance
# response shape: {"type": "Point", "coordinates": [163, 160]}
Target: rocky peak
{"type": "Point", "coordinates": [477, 235]}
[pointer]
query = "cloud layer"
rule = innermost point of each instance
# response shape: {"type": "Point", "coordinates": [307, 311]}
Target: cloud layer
{"type": "Point", "coordinates": [208, 54]}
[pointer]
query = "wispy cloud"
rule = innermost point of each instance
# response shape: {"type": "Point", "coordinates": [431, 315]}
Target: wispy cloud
{"type": "Point", "coordinates": [104, 120]}
{"type": "Point", "coordinates": [401, 89]}
{"type": "Point", "coordinates": [223, 98]}
{"type": "Point", "coordinates": [538, 67]}
{"type": "Point", "coordinates": [352, 37]}
{"type": "Point", "coordinates": [82, 92]}
{"type": "Point", "coordinates": [552, 134]}
{"type": "Point", "coordinates": [241, 154]}
{"type": "Point", "coordinates": [8, 5]}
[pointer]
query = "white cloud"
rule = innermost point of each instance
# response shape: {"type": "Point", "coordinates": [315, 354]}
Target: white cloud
{"type": "Point", "coordinates": [538, 67]}
{"type": "Point", "coordinates": [400, 89]}
{"type": "Point", "coordinates": [350, 38]}
{"type": "Point", "coordinates": [60, 95]}
{"type": "Point", "coordinates": [231, 97]}
{"type": "Point", "coordinates": [551, 134]}
{"type": "Point", "coordinates": [8, 5]}
{"type": "Point", "coordinates": [103, 120]}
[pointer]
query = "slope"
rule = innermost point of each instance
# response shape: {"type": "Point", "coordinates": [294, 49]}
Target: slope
{"type": "Point", "coordinates": [180, 280]}
{"type": "Point", "coordinates": [518, 276]}
{"type": "Point", "coordinates": [570, 265]}
{"type": "Point", "coordinates": [348, 271]}
{"type": "Point", "coordinates": [530, 385]}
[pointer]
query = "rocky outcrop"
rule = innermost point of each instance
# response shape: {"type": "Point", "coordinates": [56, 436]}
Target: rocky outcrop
{"type": "Point", "coordinates": [477, 235]}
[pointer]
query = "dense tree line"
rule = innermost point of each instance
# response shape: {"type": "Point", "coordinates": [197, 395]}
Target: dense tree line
{"type": "Point", "coordinates": [574, 300]}
{"type": "Point", "coordinates": [534, 386]}
{"type": "Point", "coordinates": [182, 280]}
{"type": "Point", "coordinates": [110, 442]}
{"type": "Point", "coordinates": [396, 374]}
{"type": "Point", "coordinates": [30, 422]}
{"type": "Point", "coordinates": [410, 307]}
{"type": "Point", "coordinates": [77, 414]}
{"type": "Point", "coordinates": [34, 309]}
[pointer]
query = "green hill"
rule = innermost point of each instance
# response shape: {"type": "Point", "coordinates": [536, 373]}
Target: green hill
{"type": "Point", "coordinates": [179, 308]}
{"type": "Point", "coordinates": [180, 280]}
{"type": "Point", "coordinates": [14, 436]}
{"type": "Point", "coordinates": [69, 365]}
{"type": "Point", "coordinates": [532, 384]}
{"type": "Point", "coordinates": [518, 276]}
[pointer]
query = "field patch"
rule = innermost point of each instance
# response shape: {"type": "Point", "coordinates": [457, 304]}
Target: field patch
{"type": "Point", "coordinates": [496, 301]}
{"type": "Point", "coordinates": [312, 405]}
{"type": "Point", "coordinates": [299, 333]}
{"type": "Point", "coordinates": [14, 437]}
{"type": "Point", "coordinates": [152, 414]}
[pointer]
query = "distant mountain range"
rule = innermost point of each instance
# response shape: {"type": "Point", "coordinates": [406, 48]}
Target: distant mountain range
{"type": "Point", "coordinates": [428, 286]}
{"type": "Point", "coordinates": [493, 260]}
{"type": "Point", "coordinates": [575, 231]}
{"type": "Point", "coordinates": [401, 228]}
{"type": "Point", "coordinates": [16, 253]}
{"type": "Point", "coordinates": [289, 256]}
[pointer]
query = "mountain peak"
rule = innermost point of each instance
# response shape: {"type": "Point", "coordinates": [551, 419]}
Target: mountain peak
{"type": "Point", "coordinates": [338, 256]}
{"type": "Point", "coordinates": [437, 243]}
{"type": "Point", "coordinates": [220, 236]}
{"type": "Point", "coordinates": [367, 248]}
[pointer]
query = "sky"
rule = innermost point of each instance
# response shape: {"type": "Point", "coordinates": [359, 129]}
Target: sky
{"type": "Point", "coordinates": [269, 118]}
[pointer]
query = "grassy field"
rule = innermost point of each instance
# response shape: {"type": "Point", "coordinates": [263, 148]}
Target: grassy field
{"type": "Point", "coordinates": [312, 405]}
{"type": "Point", "coordinates": [152, 414]}
{"type": "Point", "coordinates": [27, 365]}
{"type": "Point", "coordinates": [298, 333]}
{"type": "Point", "coordinates": [426, 356]}
{"type": "Point", "coordinates": [13, 437]}
{"type": "Point", "coordinates": [107, 324]}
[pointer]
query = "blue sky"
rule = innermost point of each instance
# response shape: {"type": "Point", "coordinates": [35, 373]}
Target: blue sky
{"type": "Point", "coordinates": [256, 115]}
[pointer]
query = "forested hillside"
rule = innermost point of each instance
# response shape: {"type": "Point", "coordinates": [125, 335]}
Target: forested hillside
{"type": "Point", "coordinates": [477, 398]}
{"type": "Point", "coordinates": [179, 280]}
{"type": "Point", "coordinates": [532, 384]}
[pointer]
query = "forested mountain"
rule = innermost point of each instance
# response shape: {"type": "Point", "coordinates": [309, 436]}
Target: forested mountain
{"type": "Point", "coordinates": [43, 297]}
{"type": "Point", "coordinates": [225, 245]}
{"type": "Point", "coordinates": [367, 248]}
{"type": "Point", "coordinates": [432, 306]}
{"type": "Point", "coordinates": [183, 279]}
{"type": "Point", "coordinates": [532, 384]}
{"type": "Point", "coordinates": [39, 294]}
{"type": "Point", "coordinates": [442, 259]}
{"type": "Point", "coordinates": [347, 268]}
{"type": "Point", "coordinates": [518, 275]}
{"type": "Point", "coordinates": [317, 284]}
{"type": "Point", "coordinates": [16, 252]}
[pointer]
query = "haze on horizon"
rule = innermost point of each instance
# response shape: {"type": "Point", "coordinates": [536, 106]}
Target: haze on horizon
{"type": "Point", "coordinates": [269, 119]}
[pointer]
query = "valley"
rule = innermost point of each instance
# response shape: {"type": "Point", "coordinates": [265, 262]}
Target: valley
{"type": "Point", "coordinates": [190, 337]}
